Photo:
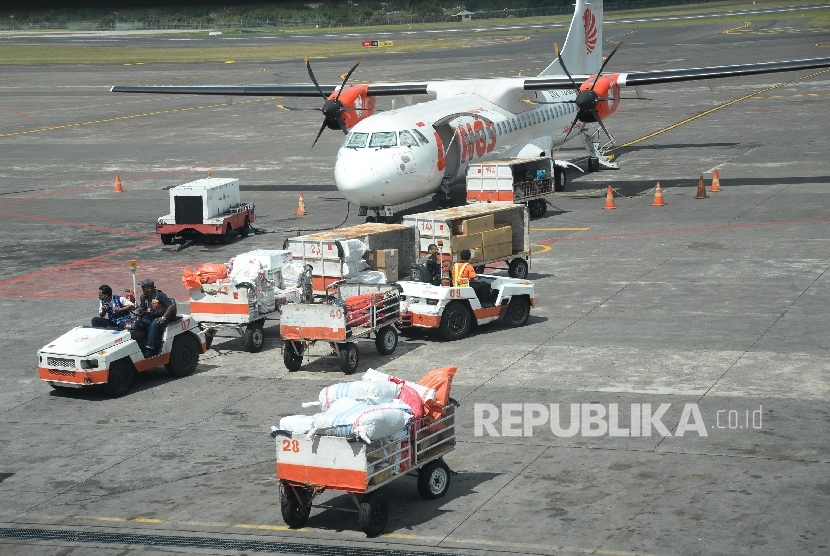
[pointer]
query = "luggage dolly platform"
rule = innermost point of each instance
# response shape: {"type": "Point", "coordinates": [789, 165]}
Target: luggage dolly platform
{"type": "Point", "coordinates": [307, 468]}
{"type": "Point", "coordinates": [352, 311]}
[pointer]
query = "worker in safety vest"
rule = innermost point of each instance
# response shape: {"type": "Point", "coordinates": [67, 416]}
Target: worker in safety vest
{"type": "Point", "coordinates": [463, 272]}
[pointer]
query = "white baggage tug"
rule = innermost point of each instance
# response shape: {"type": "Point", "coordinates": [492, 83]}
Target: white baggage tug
{"type": "Point", "coordinates": [87, 356]}
{"type": "Point", "coordinates": [453, 311]}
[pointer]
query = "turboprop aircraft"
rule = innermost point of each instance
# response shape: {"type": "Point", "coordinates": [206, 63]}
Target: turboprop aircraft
{"type": "Point", "coordinates": [393, 157]}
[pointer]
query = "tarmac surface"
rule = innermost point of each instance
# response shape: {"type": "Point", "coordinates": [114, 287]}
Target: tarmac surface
{"type": "Point", "coordinates": [719, 302]}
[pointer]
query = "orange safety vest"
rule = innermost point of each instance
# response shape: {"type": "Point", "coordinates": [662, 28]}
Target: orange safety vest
{"type": "Point", "coordinates": [457, 271]}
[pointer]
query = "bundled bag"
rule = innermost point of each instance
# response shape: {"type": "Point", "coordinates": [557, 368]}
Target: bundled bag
{"type": "Point", "coordinates": [370, 422]}
{"type": "Point", "coordinates": [372, 391]}
{"type": "Point", "coordinates": [424, 392]}
{"type": "Point", "coordinates": [297, 423]}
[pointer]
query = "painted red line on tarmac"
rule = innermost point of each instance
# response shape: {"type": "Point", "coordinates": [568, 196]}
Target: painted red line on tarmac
{"type": "Point", "coordinates": [138, 178]}
{"type": "Point", "coordinates": [21, 114]}
{"type": "Point", "coordinates": [76, 224]}
{"type": "Point", "coordinates": [688, 230]}
{"type": "Point", "coordinates": [73, 264]}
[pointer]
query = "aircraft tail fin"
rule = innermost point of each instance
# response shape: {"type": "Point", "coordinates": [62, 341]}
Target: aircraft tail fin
{"type": "Point", "coordinates": [582, 52]}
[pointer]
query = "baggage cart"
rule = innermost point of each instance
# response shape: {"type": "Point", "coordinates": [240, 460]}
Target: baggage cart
{"type": "Point", "coordinates": [353, 311]}
{"type": "Point", "coordinates": [441, 228]}
{"type": "Point", "coordinates": [527, 181]}
{"type": "Point", "coordinates": [238, 308]}
{"type": "Point", "coordinates": [324, 251]}
{"type": "Point", "coordinates": [307, 468]}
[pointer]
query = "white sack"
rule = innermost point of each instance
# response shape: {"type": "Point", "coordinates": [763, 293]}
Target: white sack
{"type": "Point", "coordinates": [370, 277]}
{"type": "Point", "coordinates": [424, 392]}
{"type": "Point", "coordinates": [371, 391]}
{"type": "Point", "coordinates": [297, 423]}
{"type": "Point", "coordinates": [353, 250]}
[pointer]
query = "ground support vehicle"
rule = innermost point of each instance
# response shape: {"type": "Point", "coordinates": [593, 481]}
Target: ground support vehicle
{"type": "Point", "coordinates": [527, 181]}
{"type": "Point", "coordinates": [237, 308]}
{"type": "Point", "coordinates": [441, 228]}
{"type": "Point", "coordinates": [354, 311]}
{"type": "Point", "coordinates": [87, 356]}
{"type": "Point", "coordinates": [306, 468]}
{"type": "Point", "coordinates": [208, 207]}
{"type": "Point", "coordinates": [325, 253]}
{"type": "Point", "coordinates": [453, 311]}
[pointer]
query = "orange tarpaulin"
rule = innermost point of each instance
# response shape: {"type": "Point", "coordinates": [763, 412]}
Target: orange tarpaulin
{"type": "Point", "coordinates": [206, 273]}
{"type": "Point", "coordinates": [441, 381]}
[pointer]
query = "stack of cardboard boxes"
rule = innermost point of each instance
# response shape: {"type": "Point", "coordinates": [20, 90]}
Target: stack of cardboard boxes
{"type": "Point", "coordinates": [384, 260]}
{"type": "Point", "coordinates": [486, 239]}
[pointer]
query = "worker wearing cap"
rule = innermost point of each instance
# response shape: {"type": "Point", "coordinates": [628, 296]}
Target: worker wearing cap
{"type": "Point", "coordinates": [463, 272]}
{"type": "Point", "coordinates": [156, 310]}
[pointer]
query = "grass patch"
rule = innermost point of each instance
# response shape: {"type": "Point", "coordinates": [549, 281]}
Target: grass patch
{"type": "Point", "coordinates": [46, 54]}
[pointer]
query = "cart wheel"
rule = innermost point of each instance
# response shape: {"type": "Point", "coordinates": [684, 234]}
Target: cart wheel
{"type": "Point", "coordinates": [518, 269]}
{"type": "Point", "coordinates": [456, 322]}
{"type": "Point", "coordinates": [433, 480]}
{"type": "Point", "coordinates": [517, 312]}
{"type": "Point", "coordinates": [121, 378]}
{"type": "Point", "coordinates": [293, 514]}
{"type": "Point", "coordinates": [349, 357]}
{"type": "Point", "coordinates": [253, 337]}
{"type": "Point", "coordinates": [538, 207]}
{"type": "Point", "coordinates": [292, 355]}
{"type": "Point", "coordinates": [167, 239]}
{"type": "Point", "coordinates": [387, 340]}
{"type": "Point", "coordinates": [208, 340]}
{"type": "Point", "coordinates": [246, 228]}
{"type": "Point", "coordinates": [226, 237]}
{"type": "Point", "coordinates": [184, 356]}
{"type": "Point", "coordinates": [373, 514]}
{"type": "Point", "coordinates": [560, 180]}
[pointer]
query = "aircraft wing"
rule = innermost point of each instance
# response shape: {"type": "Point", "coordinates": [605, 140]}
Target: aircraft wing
{"type": "Point", "coordinates": [379, 89]}
{"type": "Point", "coordinates": [635, 79]}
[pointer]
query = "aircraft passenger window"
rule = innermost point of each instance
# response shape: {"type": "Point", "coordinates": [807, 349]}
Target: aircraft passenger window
{"type": "Point", "coordinates": [420, 136]}
{"type": "Point", "coordinates": [407, 140]}
{"type": "Point", "coordinates": [383, 139]}
{"type": "Point", "coordinates": [357, 140]}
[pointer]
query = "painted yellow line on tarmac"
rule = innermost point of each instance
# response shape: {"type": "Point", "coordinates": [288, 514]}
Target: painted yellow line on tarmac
{"type": "Point", "coordinates": [132, 116]}
{"type": "Point", "coordinates": [734, 29]}
{"type": "Point", "coordinates": [715, 109]}
{"type": "Point", "coordinates": [559, 229]}
{"type": "Point", "coordinates": [545, 249]}
{"type": "Point", "coordinates": [427, 540]}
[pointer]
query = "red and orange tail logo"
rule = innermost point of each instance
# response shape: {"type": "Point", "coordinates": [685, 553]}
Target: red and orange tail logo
{"type": "Point", "coordinates": [590, 23]}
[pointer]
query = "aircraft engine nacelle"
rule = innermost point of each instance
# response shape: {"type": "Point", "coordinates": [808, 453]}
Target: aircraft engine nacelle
{"type": "Point", "coordinates": [356, 98]}
{"type": "Point", "coordinates": [606, 87]}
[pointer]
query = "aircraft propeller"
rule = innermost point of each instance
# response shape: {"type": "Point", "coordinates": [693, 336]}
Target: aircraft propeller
{"type": "Point", "coordinates": [586, 101]}
{"type": "Point", "coordinates": [332, 108]}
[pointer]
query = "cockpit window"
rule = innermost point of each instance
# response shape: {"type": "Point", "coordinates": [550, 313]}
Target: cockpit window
{"type": "Point", "coordinates": [357, 140]}
{"type": "Point", "coordinates": [407, 140]}
{"type": "Point", "coordinates": [420, 136]}
{"type": "Point", "coordinates": [383, 139]}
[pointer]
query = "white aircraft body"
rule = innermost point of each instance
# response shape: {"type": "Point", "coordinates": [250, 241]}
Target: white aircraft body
{"type": "Point", "coordinates": [397, 156]}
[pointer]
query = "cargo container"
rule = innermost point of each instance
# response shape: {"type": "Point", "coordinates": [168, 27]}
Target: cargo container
{"type": "Point", "coordinates": [481, 228]}
{"type": "Point", "coordinates": [331, 262]}
{"type": "Point", "coordinates": [517, 180]}
{"type": "Point", "coordinates": [207, 207]}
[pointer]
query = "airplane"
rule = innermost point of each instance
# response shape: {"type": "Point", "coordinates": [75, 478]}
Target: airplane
{"type": "Point", "coordinates": [393, 157]}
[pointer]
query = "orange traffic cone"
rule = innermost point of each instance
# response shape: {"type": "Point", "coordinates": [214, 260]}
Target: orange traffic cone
{"type": "Point", "coordinates": [208, 173]}
{"type": "Point", "coordinates": [658, 197]}
{"type": "Point", "coordinates": [301, 206]}
{"type": "Point", "coordinates": [701, 190]}
{"type": "Point", "coordinates": [118, 188]}
{"type": "Point", "coordinates": [609, 199]}
{"type": "Point", "coordinates": [716, 182]}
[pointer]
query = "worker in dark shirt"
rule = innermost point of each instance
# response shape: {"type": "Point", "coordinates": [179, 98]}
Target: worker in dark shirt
{"type": "Point", "coordinates": [156, 311]}
{"type": "Point", "coordinates": [433, 264]}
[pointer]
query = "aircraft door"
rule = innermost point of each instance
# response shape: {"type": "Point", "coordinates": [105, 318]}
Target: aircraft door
{"type": "Point", "coordinates": [449, 155]}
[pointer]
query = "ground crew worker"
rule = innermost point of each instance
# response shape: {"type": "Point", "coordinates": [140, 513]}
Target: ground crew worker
{"type": "Point", "coordinates": [114, 310]}
{"type": "Point", "coordinates": [463, 272]}
{"type": "Point", "coordinates": [433, 265]}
